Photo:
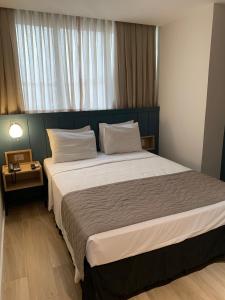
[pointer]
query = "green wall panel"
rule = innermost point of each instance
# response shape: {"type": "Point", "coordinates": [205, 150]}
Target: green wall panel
{"type": "Point", "coordinates": [34, 127]}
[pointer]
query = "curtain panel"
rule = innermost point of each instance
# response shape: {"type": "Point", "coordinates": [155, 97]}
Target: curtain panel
{"type": "Point", "coordinates": [11, 100]}
{"type": "Point", "coordinates": [51, 62]}
{"type": "Point", "coordinates": [66, 63]}
{"type": "Point", "coordinates": [136, 57]}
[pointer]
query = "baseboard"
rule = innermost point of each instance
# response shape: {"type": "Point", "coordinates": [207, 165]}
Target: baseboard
{"type": "Point", "coordinates": [1, 252]}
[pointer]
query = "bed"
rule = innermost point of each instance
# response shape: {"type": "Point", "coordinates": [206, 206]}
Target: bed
{"type": "Point", "coordinates": [140, 252]}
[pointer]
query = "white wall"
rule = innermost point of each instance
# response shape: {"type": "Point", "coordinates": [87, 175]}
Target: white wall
{"type": "Point", "coordinates": [183, 78]}
{"type": "Point", "coordinates": [215, 111]}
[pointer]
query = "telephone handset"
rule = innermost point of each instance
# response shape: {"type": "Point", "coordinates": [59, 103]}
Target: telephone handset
{"type": "Point", "coordinates": [14, 167]}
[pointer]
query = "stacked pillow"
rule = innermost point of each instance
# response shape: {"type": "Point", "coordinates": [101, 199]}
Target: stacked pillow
{"type": "Point", "coordinates": [74, 144]}
{"type": "Point", "coordinates": [119, 138]}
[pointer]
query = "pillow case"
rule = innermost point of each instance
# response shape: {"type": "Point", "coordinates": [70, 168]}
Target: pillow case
{"type": "Point", "coordinates": [101, 130]}
{"type": "Point", "coordinates": [50, 131]}
{"type": "Point", "coordinates": [69, 146]}
{"type": "Point", "coordinates": [122, 139]}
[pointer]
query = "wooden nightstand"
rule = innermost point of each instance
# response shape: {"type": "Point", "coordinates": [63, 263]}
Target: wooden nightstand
{"type": "Point", "coordinates": [148, 143]}
{"type": "Point", "coordinates": [25, 178]}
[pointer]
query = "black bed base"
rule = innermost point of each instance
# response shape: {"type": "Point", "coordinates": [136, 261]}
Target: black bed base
{"type": "Point", "coordinates": [126, 278]}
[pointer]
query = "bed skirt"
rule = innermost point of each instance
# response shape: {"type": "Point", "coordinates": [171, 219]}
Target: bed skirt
{"type": "Point", "coordinates": [126, 278]}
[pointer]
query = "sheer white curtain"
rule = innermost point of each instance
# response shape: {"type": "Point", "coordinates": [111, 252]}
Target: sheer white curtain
{"type": "Point", "coordinates": [66, 63]}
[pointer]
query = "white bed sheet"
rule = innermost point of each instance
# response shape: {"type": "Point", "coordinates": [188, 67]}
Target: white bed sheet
{"type": "Point", "coordinates": [131, 240]}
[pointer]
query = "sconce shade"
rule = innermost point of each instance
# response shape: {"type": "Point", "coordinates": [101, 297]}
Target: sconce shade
{"type": "Point", "coordinates": [15, 131]}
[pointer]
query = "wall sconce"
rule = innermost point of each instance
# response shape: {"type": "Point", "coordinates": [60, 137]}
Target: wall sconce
{"type": "Point", "coordinates": [15, 131]}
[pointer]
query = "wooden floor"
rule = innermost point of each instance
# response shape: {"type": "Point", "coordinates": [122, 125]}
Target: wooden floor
{"type": "Point", "coordinates": [37, 265]}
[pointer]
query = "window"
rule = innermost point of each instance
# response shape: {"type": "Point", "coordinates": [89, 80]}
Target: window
{"type": "Point", "coordinates": [66, 63]}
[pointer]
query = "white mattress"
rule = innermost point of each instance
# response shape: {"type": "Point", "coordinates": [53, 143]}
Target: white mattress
{"type": "Point", "coordinates": [131, 240]}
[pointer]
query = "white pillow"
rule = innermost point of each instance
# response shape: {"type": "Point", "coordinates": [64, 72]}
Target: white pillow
{"type": "Point", "coordinates": [50, 131]}
{"type": "Point", "coordinates": [101, 130]}
{"type": "Point", "coordinates": [122, 139]}
{"type": "Point", "coordinates": [70, 146]}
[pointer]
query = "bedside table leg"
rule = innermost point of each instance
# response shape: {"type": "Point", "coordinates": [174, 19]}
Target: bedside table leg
{"type": "Point", "coordinates": [6, 209]}
{"type": "Point", "coordinates": [5, 203]}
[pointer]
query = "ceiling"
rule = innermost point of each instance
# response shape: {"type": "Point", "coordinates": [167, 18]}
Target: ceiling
{"type": "Point", "coordinates": [157, 12]}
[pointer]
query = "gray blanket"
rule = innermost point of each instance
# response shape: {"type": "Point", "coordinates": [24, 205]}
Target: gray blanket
{"type": "Point", "coordinates": [99, 209]}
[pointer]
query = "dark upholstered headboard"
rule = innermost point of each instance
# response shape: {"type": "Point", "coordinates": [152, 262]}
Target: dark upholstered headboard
{"type": "Point", "coordinates": [34, 127]}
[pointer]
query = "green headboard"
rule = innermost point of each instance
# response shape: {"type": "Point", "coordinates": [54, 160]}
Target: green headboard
{"type": "Point", "coordinates": [34, 127]}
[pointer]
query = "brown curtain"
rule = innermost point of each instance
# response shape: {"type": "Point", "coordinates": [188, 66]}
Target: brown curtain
{"type": "Point", "coordinates": [10, 85]}
{"type": "Point", "coordinates": [136, 65]}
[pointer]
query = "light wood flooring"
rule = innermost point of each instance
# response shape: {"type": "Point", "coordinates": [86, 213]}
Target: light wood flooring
{"type": "Point", "coordinates": [37, 265]}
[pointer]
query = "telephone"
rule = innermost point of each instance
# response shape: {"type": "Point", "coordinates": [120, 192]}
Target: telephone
{"type": "Point", "coordinates": [14, 167]}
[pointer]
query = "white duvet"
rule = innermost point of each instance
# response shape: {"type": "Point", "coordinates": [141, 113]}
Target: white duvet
{"type": "Point", "coordinates": [131, 240]}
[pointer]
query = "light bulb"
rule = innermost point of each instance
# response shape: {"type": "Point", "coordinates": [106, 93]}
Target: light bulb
{"type": "Point", "coordinates": [15, 131]}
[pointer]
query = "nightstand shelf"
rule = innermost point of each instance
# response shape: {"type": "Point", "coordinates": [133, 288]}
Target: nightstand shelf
{"type": "Point", "coordinates": [26, 178]}
{"type": "Point", "coordinates": [148, 143]}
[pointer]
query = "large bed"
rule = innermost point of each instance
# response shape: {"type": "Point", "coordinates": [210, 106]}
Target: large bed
{"type": "Point", "coordinates": [124, 260]}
